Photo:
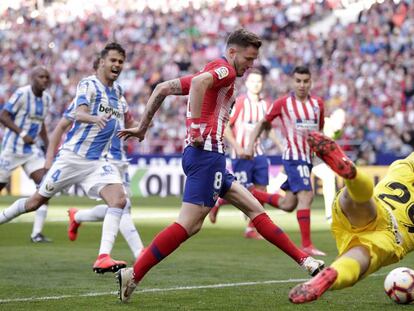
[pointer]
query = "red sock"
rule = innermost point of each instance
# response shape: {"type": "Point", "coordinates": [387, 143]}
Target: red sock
{"type": "Point", "coordinates": [163, 244]}
{"type": "Point", "coordinates": [251, 225]}
{"type": "Point", "coordinates": [221, 202]}
{"type": "Point", "coordinates": [265, 226]}
{"type": "Point", "coordinates": [265, 197]}
{"type": "Point", "coordinates": [303, 217]}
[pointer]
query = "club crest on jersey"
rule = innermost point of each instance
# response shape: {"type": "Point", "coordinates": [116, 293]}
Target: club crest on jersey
{"type": "Point", "coordinates": [222, 72]}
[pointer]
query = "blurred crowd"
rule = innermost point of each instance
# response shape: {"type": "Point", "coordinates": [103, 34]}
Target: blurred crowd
{"type": "Point", "coordinates": [365, 68]}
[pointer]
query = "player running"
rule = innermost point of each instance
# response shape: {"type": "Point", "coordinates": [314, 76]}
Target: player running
{"type": "Point", "coordinates": [299, 113]}
{"type": "Point", "coordinates": [24, 118]}
{"type": "Point", "coordinates": [210, 100]}
{"type": "Point", "coordinates": [117, 157]}
{"type": "Point", "coordinates": [251, 173]}
{"type": "Point", "coordinates": [99, 111]}
{"type": "Point", "coordinates": [373, 227]}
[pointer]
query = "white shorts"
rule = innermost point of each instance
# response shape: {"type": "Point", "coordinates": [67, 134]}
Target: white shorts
{"type": "Point", "coordinates": [30, 163]}
{"type": "Point", "coordinates": [70, 168]}
{"type": "Point", "coordinates": [122, 167]}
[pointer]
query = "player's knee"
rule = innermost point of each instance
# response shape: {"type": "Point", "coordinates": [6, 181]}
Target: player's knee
{"type": "Point", "coordinates": [120, 202]}
{"type": "Point", "coordinates": [34, 202]}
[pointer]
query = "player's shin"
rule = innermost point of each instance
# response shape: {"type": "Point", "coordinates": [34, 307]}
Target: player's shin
{"type": "Point", "coordinates": [265, 197]}
{"type": "Point", "coordinates": [360, 188]}
{"type": "Point", "coordinates": [97, 213]}
{"type": "Point", "coordinates": [163, 245]}
{"type": "Point", "coordinates": [16, 209]}
{"type": "Point", "coordinates": [39, 220]}
{"type": "Point", "coordinates": [110, 229]}
{"type": "Point", "coordinates": [129, 232]}
{"type": "Point", "coordinates": [265, 226]}
{"type": "Point", "coordinates": [348, 272]}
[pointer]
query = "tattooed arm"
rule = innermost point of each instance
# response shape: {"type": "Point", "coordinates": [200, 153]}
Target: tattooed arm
{"type": "Point", "coordinates": [161, 91]}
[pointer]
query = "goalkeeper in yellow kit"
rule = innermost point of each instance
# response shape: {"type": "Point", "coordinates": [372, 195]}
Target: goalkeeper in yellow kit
{"type": "Point", "coordinates": [373, 227]}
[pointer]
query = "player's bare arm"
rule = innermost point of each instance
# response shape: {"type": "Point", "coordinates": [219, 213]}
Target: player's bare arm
{"type": "Point", "coordinates": [228, 134]}
{"type": "Point", "coordinates": [161, 91]}
{"type": "Point", "coordinates": [7, 121]}
{"type": "Point", "coordinates": [83, 115]}
{"type": "Point", "coordinates": [272, 136]}
{"type": "Point", "coordinates": [199, 86]}
{"type": "Point", "coordinates": [257, 131]}
{"type": "Point", "coordinates": [43, 135]}
{"type": "Point", "coordinates": [55, 138]}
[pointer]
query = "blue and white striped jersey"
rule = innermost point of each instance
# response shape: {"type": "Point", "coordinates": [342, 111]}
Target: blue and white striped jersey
{"type": "Point", "coordinates": [28, 113]}
{"type": "Point", "coordinates": [85, 139]}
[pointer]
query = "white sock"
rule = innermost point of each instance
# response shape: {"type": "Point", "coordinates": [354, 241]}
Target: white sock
{"type": "Point", "coordinates": [96, 213]}
{"type": "Point", "coordinates": [110, 229]}
{"type": "Point", "coordinates": [39, 220]}
{"type": "Point", "coordinates": [129, 232]}
{"type": "Point", "coordinates": [16, 209]}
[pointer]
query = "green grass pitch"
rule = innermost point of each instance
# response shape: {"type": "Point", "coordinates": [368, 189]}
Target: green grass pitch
{"type": "Point", "coordinates": [215, 270]}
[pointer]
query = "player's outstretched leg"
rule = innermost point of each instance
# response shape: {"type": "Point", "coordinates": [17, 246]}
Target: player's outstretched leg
{"type": "Point", "coordinates": [344, 272]}
{"type": "Point", "coordinates": [244, 200]}
{"type": "Point", "coordinates": [328, 150]}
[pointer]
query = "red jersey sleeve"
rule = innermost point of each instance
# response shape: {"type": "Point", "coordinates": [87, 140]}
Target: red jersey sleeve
{"type": "Point", "coordinates": [237, 109]}
{"type": "Point", "coordinates": [223, 75]}
{"type": "Point", "coordinates": [274, 110]}
{"type": "Point", "coordinates": [185, 84]}
{"type": "Point", "coordinates": [322, 114]}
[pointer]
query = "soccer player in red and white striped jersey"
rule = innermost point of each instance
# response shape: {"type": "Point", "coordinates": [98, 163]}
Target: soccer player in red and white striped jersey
{"type": "Point", "coordinates": [300, 113]}
{"type": "Point", "coordinates": [210, 97]}
{"type": "Point", "coordinates": [249, 109]}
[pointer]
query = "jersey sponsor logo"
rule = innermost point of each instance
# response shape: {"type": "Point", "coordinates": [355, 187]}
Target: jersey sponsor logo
{"type": "Point", "coordinates": [303, 124]}
{"type": "Point", "coordinates": [222, 72]}
{"type": "Point", "coordinates": [111, 110]}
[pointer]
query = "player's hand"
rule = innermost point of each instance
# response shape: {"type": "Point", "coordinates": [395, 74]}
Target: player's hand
{"type": "Point", "coordinates": [48, 164]}
{"type": "Point", "coordinates": [28, 140]}
{"type": "Point", "coordinates": [101, 121]}
{"type": "Point", "coordinates": [249, 151]}
{"type": "Point", "coordinates": [241, 153]}
{"type": "Point", "coordinates": [132, 132]}
{"type": "Point", "coordinates": [196, 139]}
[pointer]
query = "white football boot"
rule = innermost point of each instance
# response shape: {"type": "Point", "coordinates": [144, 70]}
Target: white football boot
{"type": "Point", "coordinates": [126, 283]}
{"type": "Point", "coordinates": [312, 266]}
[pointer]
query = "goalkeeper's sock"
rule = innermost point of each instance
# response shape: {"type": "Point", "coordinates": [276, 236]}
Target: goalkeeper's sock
{"type": "Point", "coordinates": [265, 226]}
{"type": "Point", "coordinates": [348, 272]}
{"type": "Point", "coordinates": [163, 245]}
{"type": "Point", "coordinates": [360, 188]}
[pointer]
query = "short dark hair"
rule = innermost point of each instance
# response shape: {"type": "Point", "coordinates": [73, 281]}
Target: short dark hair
{"type": "Point", "coordinates": [301, 70]}
{"type": "Point", "coordinates": [244, 38]}
{"type": "Point", "coordinates": [95, 63]}
{"type": "Point", "coordinates": [112, 46]}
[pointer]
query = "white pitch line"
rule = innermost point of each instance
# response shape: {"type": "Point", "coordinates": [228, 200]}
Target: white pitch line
{"type": "Point", "coordinates": [153, 290]}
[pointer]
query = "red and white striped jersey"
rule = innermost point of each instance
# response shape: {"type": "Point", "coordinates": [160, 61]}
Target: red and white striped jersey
{"type": "Point", "coordinates": [216, 105]}
{"type": "Point", "coordinates": [243, 118]}
{"type": "Point", "coordinates": [298, 119]}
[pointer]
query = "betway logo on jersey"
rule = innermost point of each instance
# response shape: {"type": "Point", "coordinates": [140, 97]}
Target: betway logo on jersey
{"type": "Point", "coordinates": [111, 110]}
